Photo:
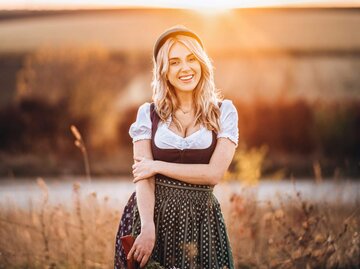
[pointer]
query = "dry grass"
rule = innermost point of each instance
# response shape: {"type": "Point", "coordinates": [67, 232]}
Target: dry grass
{"type": "Point", "coordinates": [48, 236]}
{"type": "Point", "coordinates": [293, 234]}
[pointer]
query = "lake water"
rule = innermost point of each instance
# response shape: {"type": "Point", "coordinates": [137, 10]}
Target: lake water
{"type": "Point", "coordinates": [21, 191]}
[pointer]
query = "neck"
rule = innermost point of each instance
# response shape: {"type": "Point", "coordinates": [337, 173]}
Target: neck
{"type": "Point", "coordinates": [185, 99]}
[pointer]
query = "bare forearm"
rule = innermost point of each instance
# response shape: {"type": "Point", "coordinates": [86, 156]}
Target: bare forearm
{"type": "Point", "coordinates": [145, 190]}
{"type": "Point", "coordinates": [145, 196]}
{"type": "Point", "coordinates": [190, 173]}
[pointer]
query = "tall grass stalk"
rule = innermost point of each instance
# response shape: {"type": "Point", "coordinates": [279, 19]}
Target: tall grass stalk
{"type": "Point", "coordinates": [79, 142]}
{"type": "Point", "coordinates": [78, 209]}
{"type": "Point", "coordinates": [44, 229]}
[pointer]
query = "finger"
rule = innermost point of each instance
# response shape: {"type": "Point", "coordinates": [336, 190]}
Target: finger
{"type": "Point", "coordinates": [137, 179]}
{"type": "Point", "coordinates": [144, 260]}
{"type": "Point", "coordinates": [139, 176]}
{"type": "Point", "coordinates": [139, 159]}
{"type": "Point", "coordinates": [139, 257]}
{"type": "Point", "coordinates": [138, 254]}
{"type": "Point", "coordinates": [131, 252]}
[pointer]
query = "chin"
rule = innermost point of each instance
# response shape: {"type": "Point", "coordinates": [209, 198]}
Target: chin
{"type": "Point", "coordinates": [187, 88]}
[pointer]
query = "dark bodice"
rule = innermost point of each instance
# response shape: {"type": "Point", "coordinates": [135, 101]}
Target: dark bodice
{"type": "Point", "coordinates": [179, 155]}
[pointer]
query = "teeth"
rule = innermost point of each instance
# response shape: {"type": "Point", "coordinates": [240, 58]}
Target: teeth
{"type": "Point", "coordinates": [187, 77]}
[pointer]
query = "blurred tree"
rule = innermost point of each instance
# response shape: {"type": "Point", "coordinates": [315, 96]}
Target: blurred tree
{"type": "Point", "coordinates": [337, 128]}
{"type": "Point", "coordinates": [86, 81]}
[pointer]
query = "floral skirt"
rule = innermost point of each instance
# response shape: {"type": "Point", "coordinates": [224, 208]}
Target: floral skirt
{"type": "Point", "coordinates": [190, 229]}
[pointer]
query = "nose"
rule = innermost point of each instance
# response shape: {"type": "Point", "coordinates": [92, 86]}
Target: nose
{"type": "Point", "coordinates": [185, 66]}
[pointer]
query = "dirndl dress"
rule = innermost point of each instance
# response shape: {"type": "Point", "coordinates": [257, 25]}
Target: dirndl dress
{"type": "Point", "coordinates": [189, 225]}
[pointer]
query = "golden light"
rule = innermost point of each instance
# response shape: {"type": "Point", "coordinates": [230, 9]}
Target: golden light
{"type": "Point", "coordinates": [212, 11]}
{"type": "Point", "coordinates": [205, 7]}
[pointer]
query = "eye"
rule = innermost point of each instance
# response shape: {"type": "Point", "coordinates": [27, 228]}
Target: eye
{"type": "Point", "coordinates": [192, 59]}
{"type": "Point", "coordinates": [174, 62]}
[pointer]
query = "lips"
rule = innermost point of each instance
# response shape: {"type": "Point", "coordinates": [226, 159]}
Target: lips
{"type": "Point", "coordinates": [186, 78]}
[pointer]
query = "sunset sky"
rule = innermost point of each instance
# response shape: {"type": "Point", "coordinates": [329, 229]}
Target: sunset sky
{"type": "Point", "coordinates": [75, 4]}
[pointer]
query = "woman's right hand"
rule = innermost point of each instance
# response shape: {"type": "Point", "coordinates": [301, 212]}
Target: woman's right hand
{"type": "Point", "coordinates": [144, 244]}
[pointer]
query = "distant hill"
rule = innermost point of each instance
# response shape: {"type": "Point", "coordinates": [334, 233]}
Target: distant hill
{"type": "Point", "coordinates": [239, 31]}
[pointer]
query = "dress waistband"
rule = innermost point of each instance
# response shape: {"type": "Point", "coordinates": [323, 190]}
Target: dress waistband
{"type": "Point", "coordinates": [166, 181]}
{"type": "Point", "coordinates": [173, 187]}
{"type": "Point", "coordinates": [177, 191]}
{"type": "Point", "coordinates": [190, 188]}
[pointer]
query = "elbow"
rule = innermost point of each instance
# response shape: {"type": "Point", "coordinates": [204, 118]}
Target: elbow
{"type": "Point", "coordinates": [215, 178]}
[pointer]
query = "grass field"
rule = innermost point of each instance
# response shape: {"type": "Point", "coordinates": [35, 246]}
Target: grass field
{"type": "Point", "coordinates": [293, 234]}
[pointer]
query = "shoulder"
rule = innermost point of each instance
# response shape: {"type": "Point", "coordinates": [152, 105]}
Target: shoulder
{"type": "Point", "coordinates": [144, 110]}
{"type": "Point", "coordinates": [143, 113]}
{"type": "Point", "coordinates": [229, 121]}
{"type": "Point", "coordinates": [141, 128]}
{"type": "Point", "coordinates": [145, 107]}
{"type": "Point", "coordinates": [227, 107]}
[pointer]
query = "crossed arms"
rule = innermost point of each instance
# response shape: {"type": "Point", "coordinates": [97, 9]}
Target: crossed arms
{"type": "Point", "coordinates": [209, 174]}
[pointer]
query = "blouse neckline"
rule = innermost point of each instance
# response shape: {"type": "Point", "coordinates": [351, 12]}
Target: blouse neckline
{"type": "Point", "coordinates": [168, 121]}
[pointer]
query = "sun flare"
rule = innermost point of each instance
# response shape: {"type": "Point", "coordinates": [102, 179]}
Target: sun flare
{"type": "Point", "coordinates": [212, 11]}
{"type": "Point", "coordinates": [205, 7]}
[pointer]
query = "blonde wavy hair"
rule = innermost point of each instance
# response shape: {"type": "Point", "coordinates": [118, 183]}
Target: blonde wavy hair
{"type": "Point", "coordinates": [205, 95]}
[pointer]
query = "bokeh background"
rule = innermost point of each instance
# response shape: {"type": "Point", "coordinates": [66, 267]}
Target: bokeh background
{"type": "Point", "coordinates": [293, 74]}
{"type": "Point", "coordinates": [291, 195]}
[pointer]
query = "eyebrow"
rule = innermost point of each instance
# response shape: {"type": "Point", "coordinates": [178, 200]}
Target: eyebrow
{"type": "Point", "coordinates": [179, 58]}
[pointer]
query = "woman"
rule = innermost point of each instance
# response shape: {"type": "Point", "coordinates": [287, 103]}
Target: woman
{"type": "Point", "coordinates": [183, 144]}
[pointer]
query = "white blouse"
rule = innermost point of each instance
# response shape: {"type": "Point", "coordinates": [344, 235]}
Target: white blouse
{"type": "Point", "coordinates": [201, 139]}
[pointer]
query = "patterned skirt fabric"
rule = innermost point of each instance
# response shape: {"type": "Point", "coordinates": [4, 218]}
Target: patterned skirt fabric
{"type": "Point", "coordinates": [190, 229]}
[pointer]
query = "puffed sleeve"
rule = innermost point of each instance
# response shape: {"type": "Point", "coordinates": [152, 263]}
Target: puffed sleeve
{"type": "Point", "coordinates": [141, 128]}
{"type": "Point", "coordinates": [229, 122]}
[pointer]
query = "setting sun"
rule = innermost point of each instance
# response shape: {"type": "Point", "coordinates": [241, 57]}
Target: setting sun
{"type": "Point", "coordinates": [211, 6]}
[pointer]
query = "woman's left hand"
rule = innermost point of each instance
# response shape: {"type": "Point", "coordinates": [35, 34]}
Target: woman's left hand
{"type": "Point", "coordinates": [143, 169]}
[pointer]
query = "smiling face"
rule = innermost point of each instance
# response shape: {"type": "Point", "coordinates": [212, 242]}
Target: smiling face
{"type": "Point", "coordinates": [184, 70]}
